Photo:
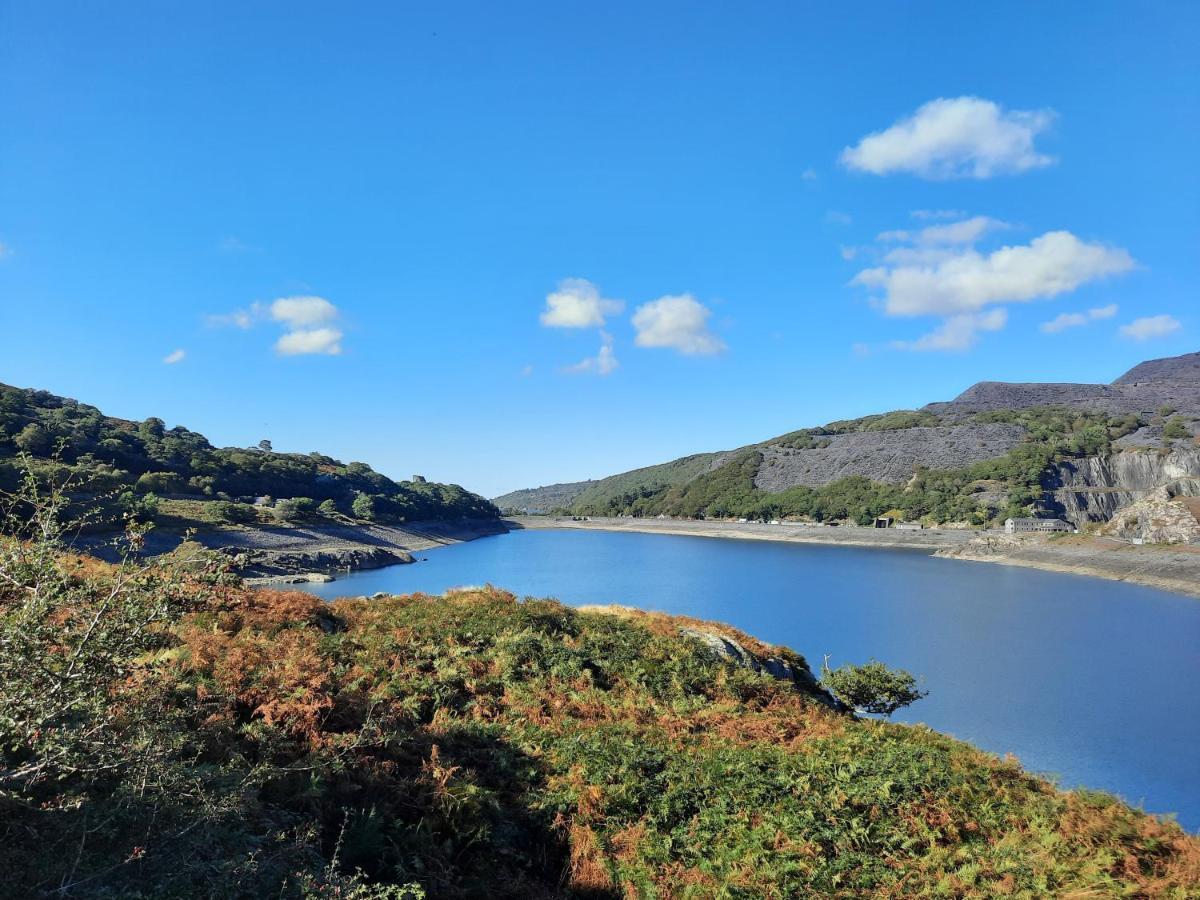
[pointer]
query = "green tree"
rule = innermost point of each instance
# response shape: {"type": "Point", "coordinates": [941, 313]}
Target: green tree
{"type": "Point", "coordinates": [873, 687]}
{"type": "Point", "coordinates": [33, 438]}
{"type": "Point", "coordinates": [328, 509]}
{"type": "Point", "coordinates": [363, 507]}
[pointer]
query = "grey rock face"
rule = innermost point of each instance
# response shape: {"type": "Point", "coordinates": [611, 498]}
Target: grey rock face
{"type": "Point", "coordinates": [888, 456]}
{"type": "Point", "coordinates": [1095, 488]}
{"type": "Point", "coordinates": [1174, 381]}
{"type": "Point", "coordinates": [728, 648]}
{"type": "Point", "coordinates": [1171, 368]}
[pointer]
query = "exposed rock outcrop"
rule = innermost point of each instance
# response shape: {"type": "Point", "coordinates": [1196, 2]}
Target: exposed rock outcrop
{"type": "Point", "coordinates": [1095, 488]}
{"type": "Point", "coordinates": [260, 562]}
{"type": "Point", "coordinates": [1158, 517]}
{"type": "Point", "coordinates": [732, 650]}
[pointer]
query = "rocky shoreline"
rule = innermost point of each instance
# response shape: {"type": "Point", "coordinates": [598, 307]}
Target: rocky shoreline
{"type": "Point", "coordinates": [1174, 568]}
{"type": "Point", "coordinates": [302, 553]}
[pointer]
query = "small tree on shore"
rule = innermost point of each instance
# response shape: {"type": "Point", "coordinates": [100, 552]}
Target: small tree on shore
{"type": "Point", "coordinates": [872, 687]}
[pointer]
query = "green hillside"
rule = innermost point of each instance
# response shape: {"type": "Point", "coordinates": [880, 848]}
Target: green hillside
{"type": "Point", "coordinates": [176, 476]}
{"type": "Point", "coordinates": [167, 733]}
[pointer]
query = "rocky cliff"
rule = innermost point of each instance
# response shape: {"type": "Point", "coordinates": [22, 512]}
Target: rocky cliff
{"type": "Point", "coordinates": [1095, 488]}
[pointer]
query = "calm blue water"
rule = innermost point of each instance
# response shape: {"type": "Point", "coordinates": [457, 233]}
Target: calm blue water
{"type": "Point", "coordinates": [1093, 681]}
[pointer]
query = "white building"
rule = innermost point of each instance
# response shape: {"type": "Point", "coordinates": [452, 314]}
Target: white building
{"type": "Point", "coordinates": [1017, 526]}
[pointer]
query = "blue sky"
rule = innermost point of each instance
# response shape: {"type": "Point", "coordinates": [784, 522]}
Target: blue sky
{"type": "Point", "coordinates": [524, 243]}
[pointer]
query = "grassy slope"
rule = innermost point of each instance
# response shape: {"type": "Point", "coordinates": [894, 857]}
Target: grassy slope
{"type": "Point", "coordinates": [483, 746]}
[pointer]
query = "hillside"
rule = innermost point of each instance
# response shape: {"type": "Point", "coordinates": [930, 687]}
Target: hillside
{"type": "Point", "coordinates": [175, 477]}
{"type": "Point", "coordinates": [169, 733]}
{"type": "Point", "coordinates": [992, 452]}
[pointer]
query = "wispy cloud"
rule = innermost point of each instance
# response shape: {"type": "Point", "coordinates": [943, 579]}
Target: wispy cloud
{"type": "Point", "coordinates": [5, 250]}
{"type": "Point", "coordinates": [1149, 327]}
{"type": "Point", "coordinates": [603, 363]}
{"type": "Point", "coordinates": [959, 137]}
{"type": "Point", "coordinates": [957, 333]}
{"type": "Point", "coordinates": [1063, 321]}
{"type": "Point", "coordinates": [836, 217]}
{"type": "Point", "coordinates": [809, 174]}
{"type": "Point", "coordinates": [679, 322]}
{"type": "Point", "coordinates": [175, 356]}
{"type": "Point", "coordinates": [577, 303]}
{"type": "Point", "coordinates": [926, 215]}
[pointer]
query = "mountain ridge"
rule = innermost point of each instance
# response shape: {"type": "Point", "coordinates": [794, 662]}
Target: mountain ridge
{"type": "Point", "coordinates": [988, 421]}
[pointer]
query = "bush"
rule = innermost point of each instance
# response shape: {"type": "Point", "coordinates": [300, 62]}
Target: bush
{"type": "Point", "coordinates": [328, 509]}
{"type": "Point", "coordinates": [1176, 429]}
{"type": "Point", "coordinates": [872, 688]}
{"type": "Point", "coordinates": [233, 513]}
{"type": "Point", "coordinates": [295, 508]}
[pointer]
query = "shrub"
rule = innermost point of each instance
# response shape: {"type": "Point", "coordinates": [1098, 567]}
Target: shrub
{"type": "Point", "coordinates": [873, 687]}
{"type": "Point", "coordinates": [1176, 429]}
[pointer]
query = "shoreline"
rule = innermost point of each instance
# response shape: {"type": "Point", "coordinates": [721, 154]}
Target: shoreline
{"type": "Point", "coordinates": [1174, 568]}
{"type": "Point", "coordinates": [318, 552]}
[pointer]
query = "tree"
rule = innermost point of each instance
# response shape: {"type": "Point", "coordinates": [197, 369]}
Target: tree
{"type": "Point", "coordinates": [264, 445]}
{"type": "Point", "coordinates": [873, 687]}
{"type": "Point", "coordinates": [363, 506]}
{"type": "Point", "coordinates": [328, 509]}
{"type": "Point", "coordinates": [33, 438]}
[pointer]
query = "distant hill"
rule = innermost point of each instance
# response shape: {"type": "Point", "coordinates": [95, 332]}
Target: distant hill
{"type": "Point", "coordinates": [974, 458]}
{"type": "Point", "coordinates": [156, 472]}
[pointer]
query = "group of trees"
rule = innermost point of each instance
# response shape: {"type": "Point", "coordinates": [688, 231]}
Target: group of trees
{"type": "Point", "coordinates": [141, 461]}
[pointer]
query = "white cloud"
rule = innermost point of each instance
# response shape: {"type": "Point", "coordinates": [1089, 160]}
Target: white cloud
{"type": "Point", "coordinates": [965, 281]}
{"type": "Point", "coordinates": [679, 322]}
{"type": "Point", "coordinates": [957, 333]}
{"type": "Point", "coordinates": [300, 318]}
{"type": "Point", "coordinates": [526, 371]}
{"type": "Point", "coordinates": [175, 356]}
{"type": "Point", "coordinates": [835, 217]}
{"type": "Point", "coordinates": [1148, 327]}
{"type": "Point", "coordinates": [5, 250]}
{"type": "Point", "coordinates": [809, 174]}
{"type": "Point", "coordinates": [848, 253]}
{"type": "Point", "coordinates": [960, 137]}
{"type": "Point", "coordinates": [603, 363]}
{"type": "Point", "coordinates": [1063, 321]}
{"type": "Point", "coordinates": [303, 312]}
{"type": "Point", "coordinates": [310, 341]}
{"type": "Point", "coordinates": [577, 304]}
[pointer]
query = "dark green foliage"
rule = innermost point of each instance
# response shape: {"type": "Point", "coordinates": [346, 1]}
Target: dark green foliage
{"type": "Point", "coordinates": [873, 687]}
{"type": "Point", "coordinates": [103, 454]}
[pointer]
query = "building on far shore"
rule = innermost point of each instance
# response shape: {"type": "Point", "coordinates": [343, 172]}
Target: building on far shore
{"type": "Point", "coordinates": [1017, 526]}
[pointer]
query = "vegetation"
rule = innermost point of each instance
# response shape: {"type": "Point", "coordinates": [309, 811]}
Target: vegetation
{"type": "Point", "coordinates": [872, 688]}
{"type": "Point", "coordinates": [727, 490]}
{"type": "Point", "coordinates": [134, 465]}
{"type": "Point", "coordinates": [1176, 429]}
{"type": "Point", "coordinates": [166, 732]}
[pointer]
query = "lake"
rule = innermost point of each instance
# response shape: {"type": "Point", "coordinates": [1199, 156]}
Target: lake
{"type": "Point", "coordinates": [1094, 682]}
